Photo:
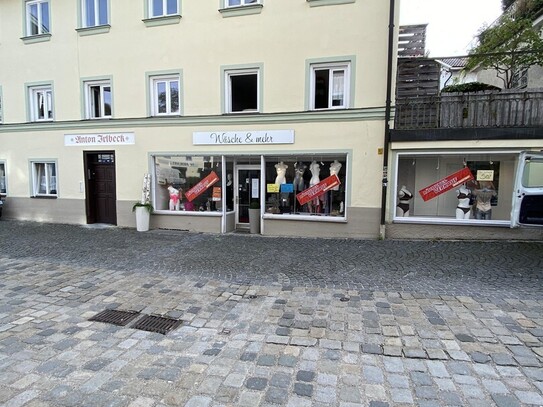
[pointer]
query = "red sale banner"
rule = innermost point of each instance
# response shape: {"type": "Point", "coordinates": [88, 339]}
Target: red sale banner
{"type": "Point", "coordinates": [446, 184]}
{"type": "Point", "coordinates": [201, 186]}
{"type": "Point", "coordinates": [317, 190]}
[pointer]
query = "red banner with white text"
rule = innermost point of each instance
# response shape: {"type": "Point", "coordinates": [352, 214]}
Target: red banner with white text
{"type": "Point", "coordinates": [446, 184]}
{"type": "Point", "coordinates": [201, 186]}
{"type": "Point", "coordinates": [317, 190]}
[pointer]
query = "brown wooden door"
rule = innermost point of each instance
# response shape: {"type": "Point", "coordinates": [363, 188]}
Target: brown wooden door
{"type": "Point", "coordinates": [101, 193]}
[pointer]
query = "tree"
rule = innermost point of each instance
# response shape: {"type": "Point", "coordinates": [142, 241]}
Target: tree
{"type": "Point", "coordinates": [509, 47]}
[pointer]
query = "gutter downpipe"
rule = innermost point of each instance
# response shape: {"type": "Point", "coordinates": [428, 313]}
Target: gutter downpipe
{"type": "Point", "coordinates": [388, 108]}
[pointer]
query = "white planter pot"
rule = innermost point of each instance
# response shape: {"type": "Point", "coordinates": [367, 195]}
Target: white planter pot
{"type": "Point", "coordinates": [142, 219]}
{"type": "Point", "coordinates": [254, 221]}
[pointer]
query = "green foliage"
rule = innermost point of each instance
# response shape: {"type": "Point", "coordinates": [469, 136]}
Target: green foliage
{"type": "Point", "coordinates": [509, 47]}
{"type": "Point", "coordinates": [469, 87]}
{"type": "Point", "coordinates": [147, 206]}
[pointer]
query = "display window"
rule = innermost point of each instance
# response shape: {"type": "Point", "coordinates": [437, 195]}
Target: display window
{"type": "Point", "coordinates": [188, 183]}
{"type": "Point", "coordinates": [456, 187]}
{"type": "Point", "coordinates": [305, 185]}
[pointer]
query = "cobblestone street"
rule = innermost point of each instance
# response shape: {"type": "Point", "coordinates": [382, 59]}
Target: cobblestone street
{"type": "Point", "coordinates": [267, 321]}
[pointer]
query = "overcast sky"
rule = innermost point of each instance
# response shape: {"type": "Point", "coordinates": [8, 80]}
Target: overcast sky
{"type": "Point", "coordinates": [452, 25]}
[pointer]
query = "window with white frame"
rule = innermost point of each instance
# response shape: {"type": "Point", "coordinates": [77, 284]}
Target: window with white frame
{"type": "Point", "coordinates": [162, 8]}
{"type": "Point", "coordinates": [44, 178]}
{"type": "Point", "coordinates": [37, 17]}
{"type": "Point", "coordinates": [3, 188]}
{"type": "Point", "coordinates": [242, 91]}
{"type": "Point", "coordinates": [94, 13]}
{"type": "Point", "coordinates": [329, 86]}
{"type": "Point", "coordinates": [165, 95]}
{"type": "Point", "coordinates": [98, 99]}
{"type": "Point", "coordinates": [41, 103]}
{"type": "Point", "coordinates": [235, 3]}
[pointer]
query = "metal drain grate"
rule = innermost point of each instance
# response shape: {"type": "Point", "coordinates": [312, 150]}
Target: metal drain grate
{"type": "Point", "coordinates": [116, 317]}
{"type": "Point", "coordinates": [161, 325]}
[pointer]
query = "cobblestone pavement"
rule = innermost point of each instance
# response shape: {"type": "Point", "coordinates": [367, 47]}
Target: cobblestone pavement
{"type": "Point", "coordinates": [267, 321]}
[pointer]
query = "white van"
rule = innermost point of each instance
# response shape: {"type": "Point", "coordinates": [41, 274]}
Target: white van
{"type": "Point", "coordinates": [527, 207]}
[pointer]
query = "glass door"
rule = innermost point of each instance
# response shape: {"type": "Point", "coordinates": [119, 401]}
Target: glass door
{"type": "Point", "coordinates": [247, 190]}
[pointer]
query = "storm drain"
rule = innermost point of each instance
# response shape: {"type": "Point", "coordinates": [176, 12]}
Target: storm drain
{"type": "Point", "coordinates": [115, 317]}
{"type": "Point", "coordinates": [161, 325]}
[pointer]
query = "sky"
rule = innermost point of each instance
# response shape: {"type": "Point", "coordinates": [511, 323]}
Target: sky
{"type": "Point", "coordinates": [452, 25]}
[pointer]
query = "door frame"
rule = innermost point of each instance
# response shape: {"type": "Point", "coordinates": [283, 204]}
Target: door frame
{"type": "Point", "coordinates": [237, 168]}
{"type": "Point", "coordinates": [89, 193]}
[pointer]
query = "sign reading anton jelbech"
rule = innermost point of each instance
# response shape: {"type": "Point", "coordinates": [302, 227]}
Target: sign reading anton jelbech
{"type": "Point", "coordinates": [243, 137]}
{"type": "Point", "coordinates": [102, 139]}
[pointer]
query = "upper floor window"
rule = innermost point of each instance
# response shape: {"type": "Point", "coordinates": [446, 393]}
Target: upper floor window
{"type": "Point", "coordinates": [44, 178]}
{"type": "Point", "coordinates": [160, 8]}
{"type": "Point", "coordinates": [94, 13]}
{"type": "Point", "coordinates": [329, 86]}
{"type": "Point", "coordinates": [242, 91]}
{"type": "Point", "coordinates": [41, 103]}
{"type": "Point", "coordinates": [165, 95]}
{"type": "Point", "coordinates": [98, 99]}
{"type": "Point", "coordinates": [37, 17]}
{"type": "Point", "coordinates": [234, 3]}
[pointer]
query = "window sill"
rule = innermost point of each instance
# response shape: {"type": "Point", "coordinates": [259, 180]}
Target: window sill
{"type": "Point", "coordinates": [317, 3]}
{"type": "Point", "coordinates": [309, 218]}
{"type": "Point", "coordinates": [241, 10]}
{"type": "Point", "coordinates": [36, 38]}
{"type": "Point", "coordinates": [187, 213]}
{"type": "Point", "coordinates": [99, 29]}
{"type": "Point", "coordinates": [44, 197]}
{"type": "Point", "coordinates": [450, 221]}
{"type": "Point", "coordinates": [162, 20]}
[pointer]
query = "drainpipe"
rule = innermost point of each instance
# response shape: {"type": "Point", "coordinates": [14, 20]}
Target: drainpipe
{"type": "Point", "coordinates": [388, 107]}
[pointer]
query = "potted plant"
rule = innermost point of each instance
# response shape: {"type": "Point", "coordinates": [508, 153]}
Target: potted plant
{"type": "Point", "coordinates": [144, 208]}
{"type": "Point", "coordinates": [254, 217]}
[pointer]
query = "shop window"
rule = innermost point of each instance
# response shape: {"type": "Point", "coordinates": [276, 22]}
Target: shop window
{"type": "Point", "coordinates": [242, 91]}
{"type": "Point", "coordinates": [162, 8]}
{"type": "Point", "coordinates": [41, 103]}
{"type": "Point", "coordinates": [165, 96]}
{"type": "Point", "coordinates": [44, 179]}
{"type": "Point", "coordinates": [456, 187]}
{"type": "Point", "coordinates": [3, 186]}
{"type": "Point", "coordinates": [98, 99]}
{"type": "Point", "coordinates": [188, 183]}
{"type": "Point", "coordinates": [306, 185]}
{"type": "Point", "coordinates": [94, 13]}
{"type": "Point", "coordinates": [329, 86]}
{"type": "Point", "coordinates": [37, 17]}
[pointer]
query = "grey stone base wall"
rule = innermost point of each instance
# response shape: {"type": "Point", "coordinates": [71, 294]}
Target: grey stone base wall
{"type": "Point", "coordinates": [71, 211]}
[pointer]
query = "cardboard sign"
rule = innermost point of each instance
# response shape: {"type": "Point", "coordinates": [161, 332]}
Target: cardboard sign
{"type": "Point", "coordinates": [485, 175]}
{"type": "Point", "coordinates": [201, 186]}
{"type": "Point", "coordinates": [217, 195]}
{"type": "Point", "coordinates": [317, 190]}
{"type": "Point", "coordinates": [272, 188]}
{"type": "Point", "coordinates": [287, 188]}
{"type": "Point", "coordinates": [446, 184]}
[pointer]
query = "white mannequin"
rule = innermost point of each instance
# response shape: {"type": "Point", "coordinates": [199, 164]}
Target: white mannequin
{"type": "Point", "coordinates": [315, 171]}
{"type": "Point", "coordinates": [228, 180]}
{"type": "Point", "coordinates": [174, 198]}
{"type": "Point", "coordinates": [463, 210]}
{"type": "Point", "coordinates": [281, 171]}
{"type": "Point", "coordinates": [334, 170]}
{"type": "Point", "coordinates": [404, 196]}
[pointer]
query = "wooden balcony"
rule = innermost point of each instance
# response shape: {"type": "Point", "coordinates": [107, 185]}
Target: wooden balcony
{"type": "Point", "coordinates": [505, 109]}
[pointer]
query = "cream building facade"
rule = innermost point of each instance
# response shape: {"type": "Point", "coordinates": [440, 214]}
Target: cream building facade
{"type": "Point", "coordinates": [226, 103]}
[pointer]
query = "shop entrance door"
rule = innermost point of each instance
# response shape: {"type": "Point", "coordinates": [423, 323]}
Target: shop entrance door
{"type": "Point", "coordinates": [246, 190]}
{"type": "Point", "coordinates": [101, 198]}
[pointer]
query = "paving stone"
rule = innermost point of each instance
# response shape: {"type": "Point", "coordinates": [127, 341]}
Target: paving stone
{"type": "Point", "coordinates": [256, 383]}
{"type": "Point", "coordinates": [303, 389]}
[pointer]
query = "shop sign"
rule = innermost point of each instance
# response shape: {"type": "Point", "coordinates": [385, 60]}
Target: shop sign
{"type": "Point", "coordinates": [485, 175]}
{"type": "Point", "coordinates": [201, 186]}
{"type": "Point", "coordinates": [317, 190]}
{"type": "Point", "coordinates": [272, 188]}
{"type": "Point", "coordinates": [103, 139]}
{"type": "Point", "coordinates": [242, 137]}
{"type": "Point", "coordinates": [446, 184]}
{"type": "Point", "coordinates": [217, 194]}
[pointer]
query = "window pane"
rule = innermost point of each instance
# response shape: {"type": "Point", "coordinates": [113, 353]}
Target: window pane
{"type": "Point", "coordinates": [95, 101]}
{"type": "Point", "coordinates": [338, 88]}
{"type": "Point", "coordinates": [45, 17]}
{"type": "Point", "coordinates": [174, 95]}
{"type": "Point", "coordinates": [244, 92]}
{"type": "Point", "coordinates": [161, 97]}
{"type": "Point", "coordinates": [322, 77]}
{"type": "Point", "coordinates": [234, 2]}
{"type": "Point", "coordinates": [532, 176]}
{"type": "Point", "coordinates": [40, 105]}
{"type": "Point", "coordinates": [158, 8]}
{"type": "Point", "coordinates": [51, 178]}
{"type": "Point", "coordinates": [172, 7]}
{"type": "Point", "coordinates": [49, 100]}
{"type": "Point", "coordinates": [90, 15]}
{"type": "Point", "coordinates": [107, 101]}
{"type": "Point", "coordinates": [33, 19]}
{"type": "Point", "coordinates": [102, 10]}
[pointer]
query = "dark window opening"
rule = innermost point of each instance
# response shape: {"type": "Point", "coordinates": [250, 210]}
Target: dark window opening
{"type": "Point", "coordinates": [322, 86]}
{"type": "Point", "coordinates": [244, 92]}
